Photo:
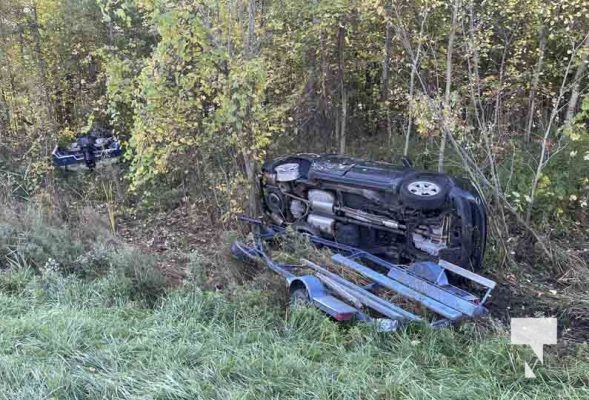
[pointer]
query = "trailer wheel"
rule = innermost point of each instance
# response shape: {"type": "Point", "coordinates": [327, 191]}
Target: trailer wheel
{"type": "Point", "coordinates": [299, 297]}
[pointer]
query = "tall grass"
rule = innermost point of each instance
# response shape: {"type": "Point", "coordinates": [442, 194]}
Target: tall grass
{"type": "Point", "coordinates": [67, 338]}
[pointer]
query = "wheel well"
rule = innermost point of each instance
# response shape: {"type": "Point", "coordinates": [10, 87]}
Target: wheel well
{"type": "Point", "coordinates": [296, 285]}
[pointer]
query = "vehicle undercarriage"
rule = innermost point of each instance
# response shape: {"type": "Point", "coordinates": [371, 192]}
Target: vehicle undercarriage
{"type": "Point", "coordinates": [397, 213]}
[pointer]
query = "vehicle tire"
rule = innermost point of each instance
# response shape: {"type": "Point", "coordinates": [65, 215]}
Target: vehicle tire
{"type": "Point", "coordinates": [275, 202]}
{"type": "Point", "coordinates": [424, 191]}
{"type": "Point", "coordinates": [299, 298]}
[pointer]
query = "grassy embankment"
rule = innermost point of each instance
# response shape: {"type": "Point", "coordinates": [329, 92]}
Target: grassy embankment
{"type": "Point", "coordinates": [85, 316]}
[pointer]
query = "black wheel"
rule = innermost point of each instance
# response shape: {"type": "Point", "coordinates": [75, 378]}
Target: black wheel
{"type": "Point", "coordinates": [299, 297]}
{"type": "Point", "coordinates": [275, 201]}
{"type": "Point", "coordinates": [424, 191]}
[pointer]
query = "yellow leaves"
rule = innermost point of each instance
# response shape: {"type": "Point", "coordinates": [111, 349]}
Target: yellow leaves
{"type": "Point", "coordinates": [544, 182]}
{"type": "Point", "coordinates": [66, 135]}
{"type": "Point", "coordinates": [573, 135]}
{"type": "Point", "coordinates": [425, 119]}
{"type": "Point", "coordinates": [559, 211]}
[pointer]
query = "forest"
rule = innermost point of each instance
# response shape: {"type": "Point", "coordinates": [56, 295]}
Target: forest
{"type": "Point", "coordinates": [97, 268]}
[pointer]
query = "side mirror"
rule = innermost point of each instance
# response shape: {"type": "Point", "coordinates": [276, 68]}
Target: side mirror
{"type": "Point", "coordinates": [407, 162]}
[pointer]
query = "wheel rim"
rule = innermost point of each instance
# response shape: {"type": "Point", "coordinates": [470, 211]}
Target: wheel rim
{"type": "Point", "coordinates": [423, 188]}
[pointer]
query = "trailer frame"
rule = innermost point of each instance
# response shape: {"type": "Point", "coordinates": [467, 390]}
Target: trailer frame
{"type": "Point", "coordinates": [425, 283]}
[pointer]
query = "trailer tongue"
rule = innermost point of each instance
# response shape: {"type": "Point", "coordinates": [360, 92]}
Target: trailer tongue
{"type": "Point", "coordinates": [423, 286]}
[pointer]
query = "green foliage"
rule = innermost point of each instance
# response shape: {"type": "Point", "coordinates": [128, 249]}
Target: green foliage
{"type": "Point", "coordinates": [27, 236]}
{"type": "Point", "coordinates": [193, 98]}
{"type": "Point", "coordinates": [105, 323]}
{"type": "Point", "coordinates": [33, 243]}
{"type": "Point", "coordinates": [147, 284]}
{"type": "Point", "coordinates": [50, 82]}
{"type": "Point", "coordinates": [15, 280]}
{"type": "Point", "coordinates": [563, 191]}
{"type": "Point", "coordinates": [200, 91]}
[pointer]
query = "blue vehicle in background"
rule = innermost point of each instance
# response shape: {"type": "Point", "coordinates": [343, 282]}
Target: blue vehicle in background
{"type": "Point", "coordinates": [88, 152]}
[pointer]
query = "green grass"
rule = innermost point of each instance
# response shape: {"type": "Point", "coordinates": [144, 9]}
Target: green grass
{"type": "Point", "coordinates": [61, 337]}
{"type": "Point", "coordinates": [99, 322]}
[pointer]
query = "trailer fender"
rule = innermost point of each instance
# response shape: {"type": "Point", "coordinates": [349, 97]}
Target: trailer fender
{"type": "Point", "coordinates": [310, 283]}
{"type": "Point", "coordinates": [319, 296]}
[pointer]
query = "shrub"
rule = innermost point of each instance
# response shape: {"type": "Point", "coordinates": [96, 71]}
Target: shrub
{"type": "Point", "coordinates": [197, 269]}
{"type": "Point", "coordinates": [52, 249]}
{"type": "Point", "coordinates": [148, 284]}
{"type": "Point", "coordinates": [95, 263]}
{"type": "Point", "coordinates": [15, 281]}
{"type": "Point", "coordinates": [24, 232]}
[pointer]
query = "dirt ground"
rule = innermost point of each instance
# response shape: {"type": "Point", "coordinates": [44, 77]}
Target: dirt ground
{"type": "Point", "coordinates": [170, 236]}
{"type": "Point", "coordinates": [514, 299]}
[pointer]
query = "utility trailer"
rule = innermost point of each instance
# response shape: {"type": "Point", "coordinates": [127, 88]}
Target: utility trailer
{"type": "Point", "coordinates": [425, 284]}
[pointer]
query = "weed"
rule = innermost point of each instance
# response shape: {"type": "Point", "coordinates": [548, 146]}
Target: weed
{"type": "Point", "coordinates": [94, 263]}
{"type": "Point", "coordinates": [15, 281]}
{"type": "Point", "coordinates": [197, 269]}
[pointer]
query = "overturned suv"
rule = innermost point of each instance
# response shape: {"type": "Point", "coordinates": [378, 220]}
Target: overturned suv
{"type": "Point", "coordinates": [395, 212]}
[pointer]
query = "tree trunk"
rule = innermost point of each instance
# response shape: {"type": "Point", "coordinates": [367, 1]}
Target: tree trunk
{"type": "Point", "coordinates": [414, 64]}
{"type": "Point", "coordinates": [13, 94]}
{"type": "Point", "coordinates": [535, 82]}
{"type": "Point", "coordinates": [249, 158]}
{"type": "Point", "coordinates": [498, 118]}
{"type": "Point", "coordinates": [544, 152]}
{"type": "Point", "coordinates": [251, 20]}
{"type": "Point", "coordinates": [384, 94]}
{"type": "Point", "coordinates": [336, 130]}
{"type": "Point", "coordinates": [576, 89]}
{"type": "Point", "coordinates": [5, 101]}
{"type": "Point", "coordinates": [41, 65]}
{"type": "Point", "coordinates": [5, 122]}
{"type": "Point", "coordinates": [343, 94]}
{"type": "Point", "coordinates": [386, 60]}
{"type": "Point", "coordinates": [410, 118]}
{"type": "Point", "coordinates": [342, 139]}
{"type": "Point", "coordinates": [479, 110]}
{"type": "Point", "coordinates": [446, 106]}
